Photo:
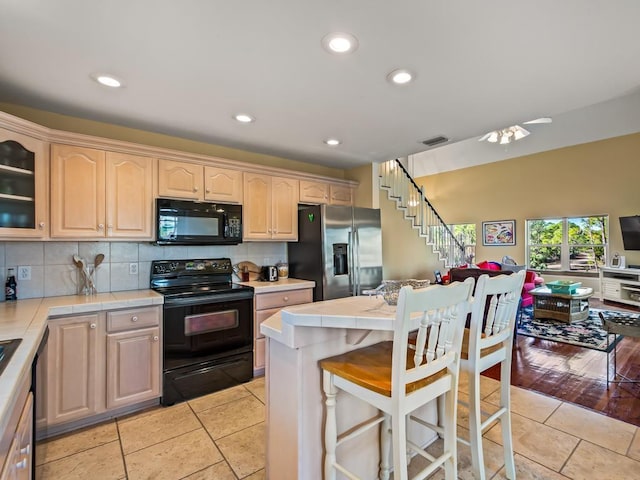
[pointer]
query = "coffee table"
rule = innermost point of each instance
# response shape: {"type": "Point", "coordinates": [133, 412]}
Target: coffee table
{"type": "Point", "coordinates": [561, 306]}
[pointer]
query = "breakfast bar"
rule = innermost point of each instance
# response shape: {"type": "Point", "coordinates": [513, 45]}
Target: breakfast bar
{"type": "Point", "coordinates": [297, 338]}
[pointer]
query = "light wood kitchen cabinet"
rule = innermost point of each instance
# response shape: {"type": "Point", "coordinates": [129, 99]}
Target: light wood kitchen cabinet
{"type": "Point", "coordinates": [98, 194]}
{"type": "Point", "coordinates": [75, 358]}
{"type": "Point", "coordinates": [16, 443]}
{"type": "Point", "coordinates": [129, 194]}
{"type": "Point", "coordinates": [270, 207]}
{"type": "Point", "coordinates": [340, 195]}
{"type": "Point", "coordinates": [266, 305]}
{"type": "Point", "coordinates": [317, 192]}
{"type": "Point", "coordinates": [199, 182]}
{"type": "Point", "coordinates": [23, 186]}
{"type": "Point", "coordinates": [314, 192]}
{"type": "Point", "coordinates": [133, 357]}
{"type": "Point", "coordinates": [101, 362]}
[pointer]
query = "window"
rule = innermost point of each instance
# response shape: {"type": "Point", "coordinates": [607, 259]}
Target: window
{"type": "Point", "coordinates": [568, 243]}
{"type": "Point", "coordinates": [465, 233]}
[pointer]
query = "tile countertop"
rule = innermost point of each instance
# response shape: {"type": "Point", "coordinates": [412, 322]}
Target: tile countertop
{"type": "Point", "coordinates": [360, 313]}
{"type": "Point", "coordinates": [279, 286]}
{"type": "Point", "coordinates": [27, 319]}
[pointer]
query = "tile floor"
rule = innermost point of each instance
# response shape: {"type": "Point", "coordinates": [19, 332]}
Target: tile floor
{"type": "Point", "coordinates": [221, 437]}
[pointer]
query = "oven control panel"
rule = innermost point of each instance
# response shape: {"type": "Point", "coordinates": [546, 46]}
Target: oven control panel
{"type": "Point", "coordinates": [204, 266]}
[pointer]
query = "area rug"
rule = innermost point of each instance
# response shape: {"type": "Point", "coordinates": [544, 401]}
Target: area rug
{"type": "Point", "coordinates": [588, 333]}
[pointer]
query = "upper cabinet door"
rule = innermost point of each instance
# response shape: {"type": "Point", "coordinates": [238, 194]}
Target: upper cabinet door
{"type": "Point", "coordinates": [256, 211]}
{"type": "Point", "coordinates": [314, 192]}
{"type": "Point", "coordinates": [129, 190]}
{"type": "Point", "coordinates": [222, 185]}
{"type": "Point", "coordinates": [180, 180]}
{"type": "Point", "coordinates": [341, 195]}
{"type": "Point", "coordinates": [77, 192]}
{"type": "Point", "coordinates": [285, 194]}
{"type": "Point", "coordinates": [23, 186]}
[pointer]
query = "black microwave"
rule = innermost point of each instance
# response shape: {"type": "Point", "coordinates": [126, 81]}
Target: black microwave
{"type": "Point", "coordinates": [184, 222]}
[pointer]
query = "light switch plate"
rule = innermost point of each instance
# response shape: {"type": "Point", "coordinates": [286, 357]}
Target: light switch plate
{"type": "Point", "coordinates": [24, 273]}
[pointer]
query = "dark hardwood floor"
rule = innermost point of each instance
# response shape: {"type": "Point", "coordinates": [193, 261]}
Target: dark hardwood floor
{"type": "Point", "coordinates": [578, 375]}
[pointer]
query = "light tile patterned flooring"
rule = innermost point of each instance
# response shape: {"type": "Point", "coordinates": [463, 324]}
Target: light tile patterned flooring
{"type": "Point", "coordinates": [222, 437]}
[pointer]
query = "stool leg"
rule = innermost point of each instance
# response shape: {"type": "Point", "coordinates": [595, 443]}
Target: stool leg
{"type": "Point", "coordinates": [449, 423]}
{"type": "Point", "coordinates": [330, 427]}
{"type": "Point", "coordinates": [475, 432]}
{"type": "Point", "coordinates": [505, 419]}
{"type": "Point", "coordinates": [385, 447]}
{"type": "Point", "coordinates": [399, 441]}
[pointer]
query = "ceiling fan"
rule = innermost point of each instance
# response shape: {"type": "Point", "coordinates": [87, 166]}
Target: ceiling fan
{"type": "Point", "coordinates": [513, 133]}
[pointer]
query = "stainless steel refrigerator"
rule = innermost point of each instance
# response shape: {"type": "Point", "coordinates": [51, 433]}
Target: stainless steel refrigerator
{"type": "Point", "coordinates": [340, 248]}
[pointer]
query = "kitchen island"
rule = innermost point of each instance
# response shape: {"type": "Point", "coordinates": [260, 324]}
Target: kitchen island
{"type": "Point", "coordinates": [297, 337]}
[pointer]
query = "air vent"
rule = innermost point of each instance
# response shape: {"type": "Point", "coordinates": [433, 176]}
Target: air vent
{"type": "Point", "coordinates": [435, 141]}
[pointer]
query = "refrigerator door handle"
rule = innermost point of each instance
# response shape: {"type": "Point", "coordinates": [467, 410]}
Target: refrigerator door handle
{"type": "Point", "coordinates": [356, 262]}
{"type": "Point", "coordinates": [350, 253]}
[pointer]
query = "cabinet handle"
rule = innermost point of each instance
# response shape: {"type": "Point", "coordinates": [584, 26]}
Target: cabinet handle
{"type": "Point", "coordinates": [41, 225]}
{"type": "Point", "coordinates": [109, 226]}
{"type": "Point", "coordinates": [195, 189]}
{"type": "Point", "coordinates": [155, 338]}
{"type": "Point", "coordinates": [25, 450]}
{"type": "Point", "coordinates": [134, 319]}
{"type": "Point", "coordinates": [208, 191]}
{"type": "Point", "coordinates": [101, 226]}
{"type": "Point", "coordinates": [286, 299]}
{"type": "Point", "coordinates": [21, 464]}
{"type": "Point", "coordinates": [92, 326]}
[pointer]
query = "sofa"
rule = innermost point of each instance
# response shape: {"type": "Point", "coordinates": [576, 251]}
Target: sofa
{"type": "Point", "coordinates": [531, 279]}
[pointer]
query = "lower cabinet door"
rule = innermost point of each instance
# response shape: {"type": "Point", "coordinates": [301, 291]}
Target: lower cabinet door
{"type": "Point", "coordinates": [73, 360]}
{"type": "Point", "coordinates": [133, 367]}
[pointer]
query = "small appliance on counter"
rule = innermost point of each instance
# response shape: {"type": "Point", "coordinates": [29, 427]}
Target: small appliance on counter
{"type": "Point", "coordinates": [269, 273]}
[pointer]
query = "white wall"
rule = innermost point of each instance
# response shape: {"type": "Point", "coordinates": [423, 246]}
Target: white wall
{"type": "Point", "coordinates": [53, 272]}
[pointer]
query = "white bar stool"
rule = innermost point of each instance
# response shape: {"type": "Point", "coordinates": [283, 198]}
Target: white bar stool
{"type": "Point", "coordinates": [397, 380]}
{"type": "Point", "coordinates": [488, 342]}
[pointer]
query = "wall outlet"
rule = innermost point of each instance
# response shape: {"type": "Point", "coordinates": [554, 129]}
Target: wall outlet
{"type": "Point", "coordinates": [24, 273]}
{"type": "Point", "coordinates": [133, 269]}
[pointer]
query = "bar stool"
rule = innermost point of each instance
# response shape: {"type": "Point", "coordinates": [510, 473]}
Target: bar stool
{"type": "Point", "coordinates": [488, 342]}
{"type": "Point", "coordinates": [397, 380]}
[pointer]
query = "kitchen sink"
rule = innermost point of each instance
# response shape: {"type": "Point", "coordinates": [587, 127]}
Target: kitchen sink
{"type": "Point", "coordinates": [7, 347]}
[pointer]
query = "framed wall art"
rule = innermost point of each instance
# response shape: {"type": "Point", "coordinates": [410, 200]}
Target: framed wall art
{"type": "Point", "coordinates": [499, 233]}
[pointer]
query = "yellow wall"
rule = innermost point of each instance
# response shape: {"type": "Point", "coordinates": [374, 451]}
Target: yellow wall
{"type": "Point", "coordinates": [404, 253]}
{"type": "Point", "coordinates": [363, 196]}
{"type": "Point", "coordinates": [590, 179]}
{"type": "Point", "coordinates": [116, 132]}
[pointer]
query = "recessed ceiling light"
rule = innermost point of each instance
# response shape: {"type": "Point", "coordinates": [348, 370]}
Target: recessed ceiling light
{"type": "Point", "coordinates": [107, 80]}
{"type": "Point", "coordinates": [332, 142]}
{"type": "Point", "coordinates": [244, 118]}
{"type": "Point", "coordinates": [340, 43]}
{"type": "Point", "coordinates": [400, 77]}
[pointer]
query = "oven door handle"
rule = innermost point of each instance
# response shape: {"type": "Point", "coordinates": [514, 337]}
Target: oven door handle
{"type": "Point", "coordinates": [206, 299]}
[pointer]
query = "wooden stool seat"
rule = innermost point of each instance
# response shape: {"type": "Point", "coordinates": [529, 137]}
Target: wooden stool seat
{"type": "Point", "coordinates": [464, 352]}
{"type": "Point", "coordinates": [370, 367]}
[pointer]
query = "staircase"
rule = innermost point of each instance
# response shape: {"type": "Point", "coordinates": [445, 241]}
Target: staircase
{"type": "Point", "coordinates": [410, 198]}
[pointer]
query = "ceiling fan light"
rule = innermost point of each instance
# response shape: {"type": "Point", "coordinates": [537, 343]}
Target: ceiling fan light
{"type": "Point", "coordinates": [505, 137]}
{"type": "Point", "coordinates": [519, 132]}
{"type": "Point", "coordinates": [493, 137]}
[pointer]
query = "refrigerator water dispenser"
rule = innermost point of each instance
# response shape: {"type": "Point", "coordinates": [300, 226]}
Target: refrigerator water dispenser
{"type": "Point", "coordinates": [340, 259]}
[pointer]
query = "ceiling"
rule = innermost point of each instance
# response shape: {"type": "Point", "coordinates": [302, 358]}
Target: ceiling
{"type": "Point", "coordinates": [189, 66]}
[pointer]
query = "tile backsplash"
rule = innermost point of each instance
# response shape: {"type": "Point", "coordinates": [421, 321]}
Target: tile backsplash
{"type": "Point", "coordinates": [53, 272]}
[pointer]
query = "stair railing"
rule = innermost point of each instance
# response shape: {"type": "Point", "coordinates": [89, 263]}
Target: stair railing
{"type": "Point", "coordinates": [424, 217]}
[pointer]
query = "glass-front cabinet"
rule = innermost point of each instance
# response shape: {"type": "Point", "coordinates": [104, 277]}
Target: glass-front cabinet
{"type": "Point", "coordinates": [22, 185]}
